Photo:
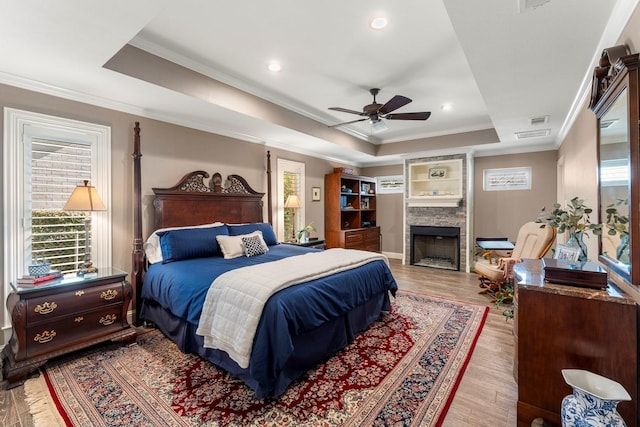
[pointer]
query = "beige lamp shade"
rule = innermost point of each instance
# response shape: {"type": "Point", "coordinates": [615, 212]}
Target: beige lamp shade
{"type": "Point", "coordinates": [84, 198]}
{"type": "Point", "coordinates": [292, 202]}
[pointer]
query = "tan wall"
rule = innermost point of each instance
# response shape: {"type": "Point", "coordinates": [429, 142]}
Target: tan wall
{"type": "Point", "coordinates": [502, 213]}
{"type": "Point", "coordinates": [390, 212]}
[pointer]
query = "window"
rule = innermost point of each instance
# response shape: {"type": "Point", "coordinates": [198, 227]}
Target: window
{"type": "Point", "coordinates": [45, 157]}
{"type": "Point", "coordinates": [290, 181]}
{"type": "Point", "coordinates": [56, 235]}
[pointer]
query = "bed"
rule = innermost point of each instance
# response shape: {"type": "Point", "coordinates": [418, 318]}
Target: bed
{"type": "Point", "coordinates": [198, 229]}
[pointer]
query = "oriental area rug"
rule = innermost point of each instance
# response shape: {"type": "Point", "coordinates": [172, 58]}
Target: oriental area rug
{"type": "Point", "coordinates": [403, 370]}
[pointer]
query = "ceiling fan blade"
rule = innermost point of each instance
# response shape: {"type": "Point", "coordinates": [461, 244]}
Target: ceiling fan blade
{"type": "Point", "coordinates": [346, 110]}
{"type": "Point", "coordinates": [393, 104]}
{"type": "Point", "coordinates": [347, 123]}
{"type": "Point", "coordinates": [409, 116]}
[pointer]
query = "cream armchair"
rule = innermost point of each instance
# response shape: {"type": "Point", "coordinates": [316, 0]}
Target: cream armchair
{"type": "Point", "coordinates": [534, 241]}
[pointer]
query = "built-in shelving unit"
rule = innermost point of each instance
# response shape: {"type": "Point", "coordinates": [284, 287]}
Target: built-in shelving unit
{"type": "Point", "coordinates": [437, 183]}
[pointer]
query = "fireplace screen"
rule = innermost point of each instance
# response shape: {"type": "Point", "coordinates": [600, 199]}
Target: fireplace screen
{"type": "Point", "coordinates": [437, 247]}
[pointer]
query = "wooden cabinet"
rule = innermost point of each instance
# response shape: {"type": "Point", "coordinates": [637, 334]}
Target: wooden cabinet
{"type": "Point", "coordinates": [350, 212]}
{"type": "Point", "coordinates": [67, 315]}
{"type": "Point", "coordinates": [563, 327]}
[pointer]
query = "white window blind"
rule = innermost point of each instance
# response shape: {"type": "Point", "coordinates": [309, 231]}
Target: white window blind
{"type": "Point", "coordinates": [58, 236]}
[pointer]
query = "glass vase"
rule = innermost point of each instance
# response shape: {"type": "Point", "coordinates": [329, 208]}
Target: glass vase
{"type": "Point", "coordinates": [594, 400]}
{"type": "Point", "coordinates": [622, 251]}
{"type": "Point", "coordinates": [576, 241]}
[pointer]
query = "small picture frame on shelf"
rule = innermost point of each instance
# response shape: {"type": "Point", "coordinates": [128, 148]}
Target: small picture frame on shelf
{"type": "Point", "coordinates": [365, 188]}
{"type": "Point", "coordinates": [437, 173]}
{"type": "Point", "coordinates": [566, 253]}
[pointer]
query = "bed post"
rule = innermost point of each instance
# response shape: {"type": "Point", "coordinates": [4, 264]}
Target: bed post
{"type": "Point", "coordinates": [137, 255]}
{"type": "Point", "coordinates": [269, 210]}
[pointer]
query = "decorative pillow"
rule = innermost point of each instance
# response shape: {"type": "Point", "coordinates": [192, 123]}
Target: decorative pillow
{"type": "Point", "coordinates": [152, 248]}
{"type": "Point", "coordinates": [253, 246]}
{"type": "Point", "coordinates": [232, 246]}
{"type": "Point", "coordinates": [268, 235]}
{"type": "Point", "coordinates": [190, 243]}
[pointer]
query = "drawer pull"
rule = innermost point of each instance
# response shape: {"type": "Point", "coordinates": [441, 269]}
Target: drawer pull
{"type": "Point", "coordinates": [45, 307]}
{"type": "Point", "coordinates": [108, 319]}
{"type": "Point", "coordinates": [44, 337]}
{"type": "Point", "coordinates": [79, 293]}
{"type": "Point", "coordinates": [78, 319]}
{"type": "Point", "coordinates": [109, 294]}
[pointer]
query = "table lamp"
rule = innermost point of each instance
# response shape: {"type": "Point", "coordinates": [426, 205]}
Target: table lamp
{"type": "Point", "coordinates": [293, 203]}
{"type": "Point", "coordinates": [85, 198]}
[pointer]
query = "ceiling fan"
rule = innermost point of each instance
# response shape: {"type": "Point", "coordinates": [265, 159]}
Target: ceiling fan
{"type": "Point", "coordinates": [374, 112]}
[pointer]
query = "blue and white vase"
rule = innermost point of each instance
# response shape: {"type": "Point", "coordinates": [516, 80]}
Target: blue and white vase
{"type": "Point", "coordinates": [593, 402]}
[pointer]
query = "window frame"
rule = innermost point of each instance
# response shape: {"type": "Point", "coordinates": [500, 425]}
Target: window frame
{"type": "Point", "coordinates": [20, 126]}
{"type": "Point", "coordinates": [290, 166]}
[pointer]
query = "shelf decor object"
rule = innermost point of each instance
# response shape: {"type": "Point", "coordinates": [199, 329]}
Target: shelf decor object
{"type": "Point", "coordinates": [85, 198]}
{"type": "Point", "coordinates": [594, 400]}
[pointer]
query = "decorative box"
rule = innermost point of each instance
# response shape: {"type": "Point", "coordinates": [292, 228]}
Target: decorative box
{"type": "Point", "coordinates": [39, 269]}
{"type": "Point", "coordinates": [347, 171]}
{"type": "Point", "coordinates": [586, 274]}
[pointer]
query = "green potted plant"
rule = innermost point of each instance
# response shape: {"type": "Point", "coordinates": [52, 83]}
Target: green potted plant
{"type": "Point", "coordinates": [574, 220]}
{"type": "Point", "coordinates": [303, 233]}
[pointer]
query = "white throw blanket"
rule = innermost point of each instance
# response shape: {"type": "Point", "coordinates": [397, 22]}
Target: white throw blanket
{"type": "Point", "coordinates": [235, 300]}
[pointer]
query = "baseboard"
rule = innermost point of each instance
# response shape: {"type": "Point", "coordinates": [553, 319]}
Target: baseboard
{"type": "Point", "coordinates": [393, 255]}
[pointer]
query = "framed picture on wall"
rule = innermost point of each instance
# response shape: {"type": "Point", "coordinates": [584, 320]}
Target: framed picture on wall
{"type": "Point", "coordinates": [315, 194]}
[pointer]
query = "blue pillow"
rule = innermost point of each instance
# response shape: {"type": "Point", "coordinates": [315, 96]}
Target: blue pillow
{"type": "Point", "coordinates": [267, 232]}
{"type": "Point", "coordinates": [187, 243]}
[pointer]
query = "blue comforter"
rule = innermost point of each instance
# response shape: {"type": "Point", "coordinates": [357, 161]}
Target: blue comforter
{"type": "Point", "coordinates": [181, 287]}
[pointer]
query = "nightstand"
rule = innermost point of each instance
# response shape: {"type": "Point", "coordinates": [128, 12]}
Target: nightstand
{"type": "Point", "coordinates": [316, 244]}
{"type": "Point", "coordinates": [65, 315]}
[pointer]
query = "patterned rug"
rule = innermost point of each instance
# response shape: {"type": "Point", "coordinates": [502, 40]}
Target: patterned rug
{"type": "Point", "coordinates": [403, 370]}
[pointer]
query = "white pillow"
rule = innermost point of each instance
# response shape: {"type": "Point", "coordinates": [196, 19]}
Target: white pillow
{"type": "Point", "coordinates": [152, 246]}
{"type": "Point", "coordinates": [232, 246]}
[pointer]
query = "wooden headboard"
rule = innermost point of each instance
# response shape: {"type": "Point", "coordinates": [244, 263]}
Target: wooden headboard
{"type": "Point", "coordinates": [192, 202]}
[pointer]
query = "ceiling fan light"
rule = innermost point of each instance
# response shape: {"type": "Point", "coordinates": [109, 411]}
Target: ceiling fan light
{"type": "Point", "coordinates": [379, 22]}
{"type": "Point", "coordinates": [378, 126]}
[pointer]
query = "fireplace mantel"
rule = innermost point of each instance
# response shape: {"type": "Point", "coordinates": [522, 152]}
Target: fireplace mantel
{"type": "Point", "coordinates": [435, 201]}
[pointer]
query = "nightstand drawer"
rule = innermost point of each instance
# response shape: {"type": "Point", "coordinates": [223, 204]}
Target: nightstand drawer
{"type": "Point", "coordinates": [64, 303]}
{"type": "Point", "coordinates": [61, 333]}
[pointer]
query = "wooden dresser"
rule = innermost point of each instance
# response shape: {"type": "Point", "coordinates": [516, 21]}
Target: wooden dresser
{"type": "Point", "coordinates": [560, 327]}
{"type": "Point", "coordinates": [64, 316]}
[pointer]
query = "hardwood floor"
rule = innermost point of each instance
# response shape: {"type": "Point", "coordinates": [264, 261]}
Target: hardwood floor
{"type": "Point", "coordinates": [487, 394]}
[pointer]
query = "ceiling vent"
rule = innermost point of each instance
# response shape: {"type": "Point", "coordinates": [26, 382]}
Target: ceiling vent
{"type": "Point", "coordinates": [527, 134]}
{"type": "Point", "coordinates": [535, 121]}
{"type": "Point", "coordinates": [604, 124]}
{"type": "Point", "coordinates": [528, 5]}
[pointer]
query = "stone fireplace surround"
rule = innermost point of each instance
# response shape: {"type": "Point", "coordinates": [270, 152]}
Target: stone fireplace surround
{"type": "Point", "coordinates": [439, 216]}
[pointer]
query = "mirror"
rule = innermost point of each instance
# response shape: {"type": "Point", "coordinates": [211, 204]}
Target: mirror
{"type": "Point", "coordinates": [614, 175]}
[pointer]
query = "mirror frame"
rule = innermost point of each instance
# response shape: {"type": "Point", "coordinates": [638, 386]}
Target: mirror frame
{"type": "Point", "coordinates": [612, 77]}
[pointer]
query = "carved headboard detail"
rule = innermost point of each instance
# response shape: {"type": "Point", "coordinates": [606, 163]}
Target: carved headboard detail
{"type": "Point", "coordinates": [193, 182]}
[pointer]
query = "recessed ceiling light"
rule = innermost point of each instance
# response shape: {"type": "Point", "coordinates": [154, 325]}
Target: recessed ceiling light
{"type": "Point", "coordinates": [379, 22]}
{"type": "Point", "coordinates": [447, 107]}
{"type": "Point", "coordinates": [274, 66]}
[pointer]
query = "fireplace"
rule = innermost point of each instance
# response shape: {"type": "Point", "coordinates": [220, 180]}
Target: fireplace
{"type": "Point", "coordinates": [435, 246]}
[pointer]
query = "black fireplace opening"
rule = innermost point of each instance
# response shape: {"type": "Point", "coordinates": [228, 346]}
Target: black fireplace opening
{"type": "Point", "coordinates": [434, 246]}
